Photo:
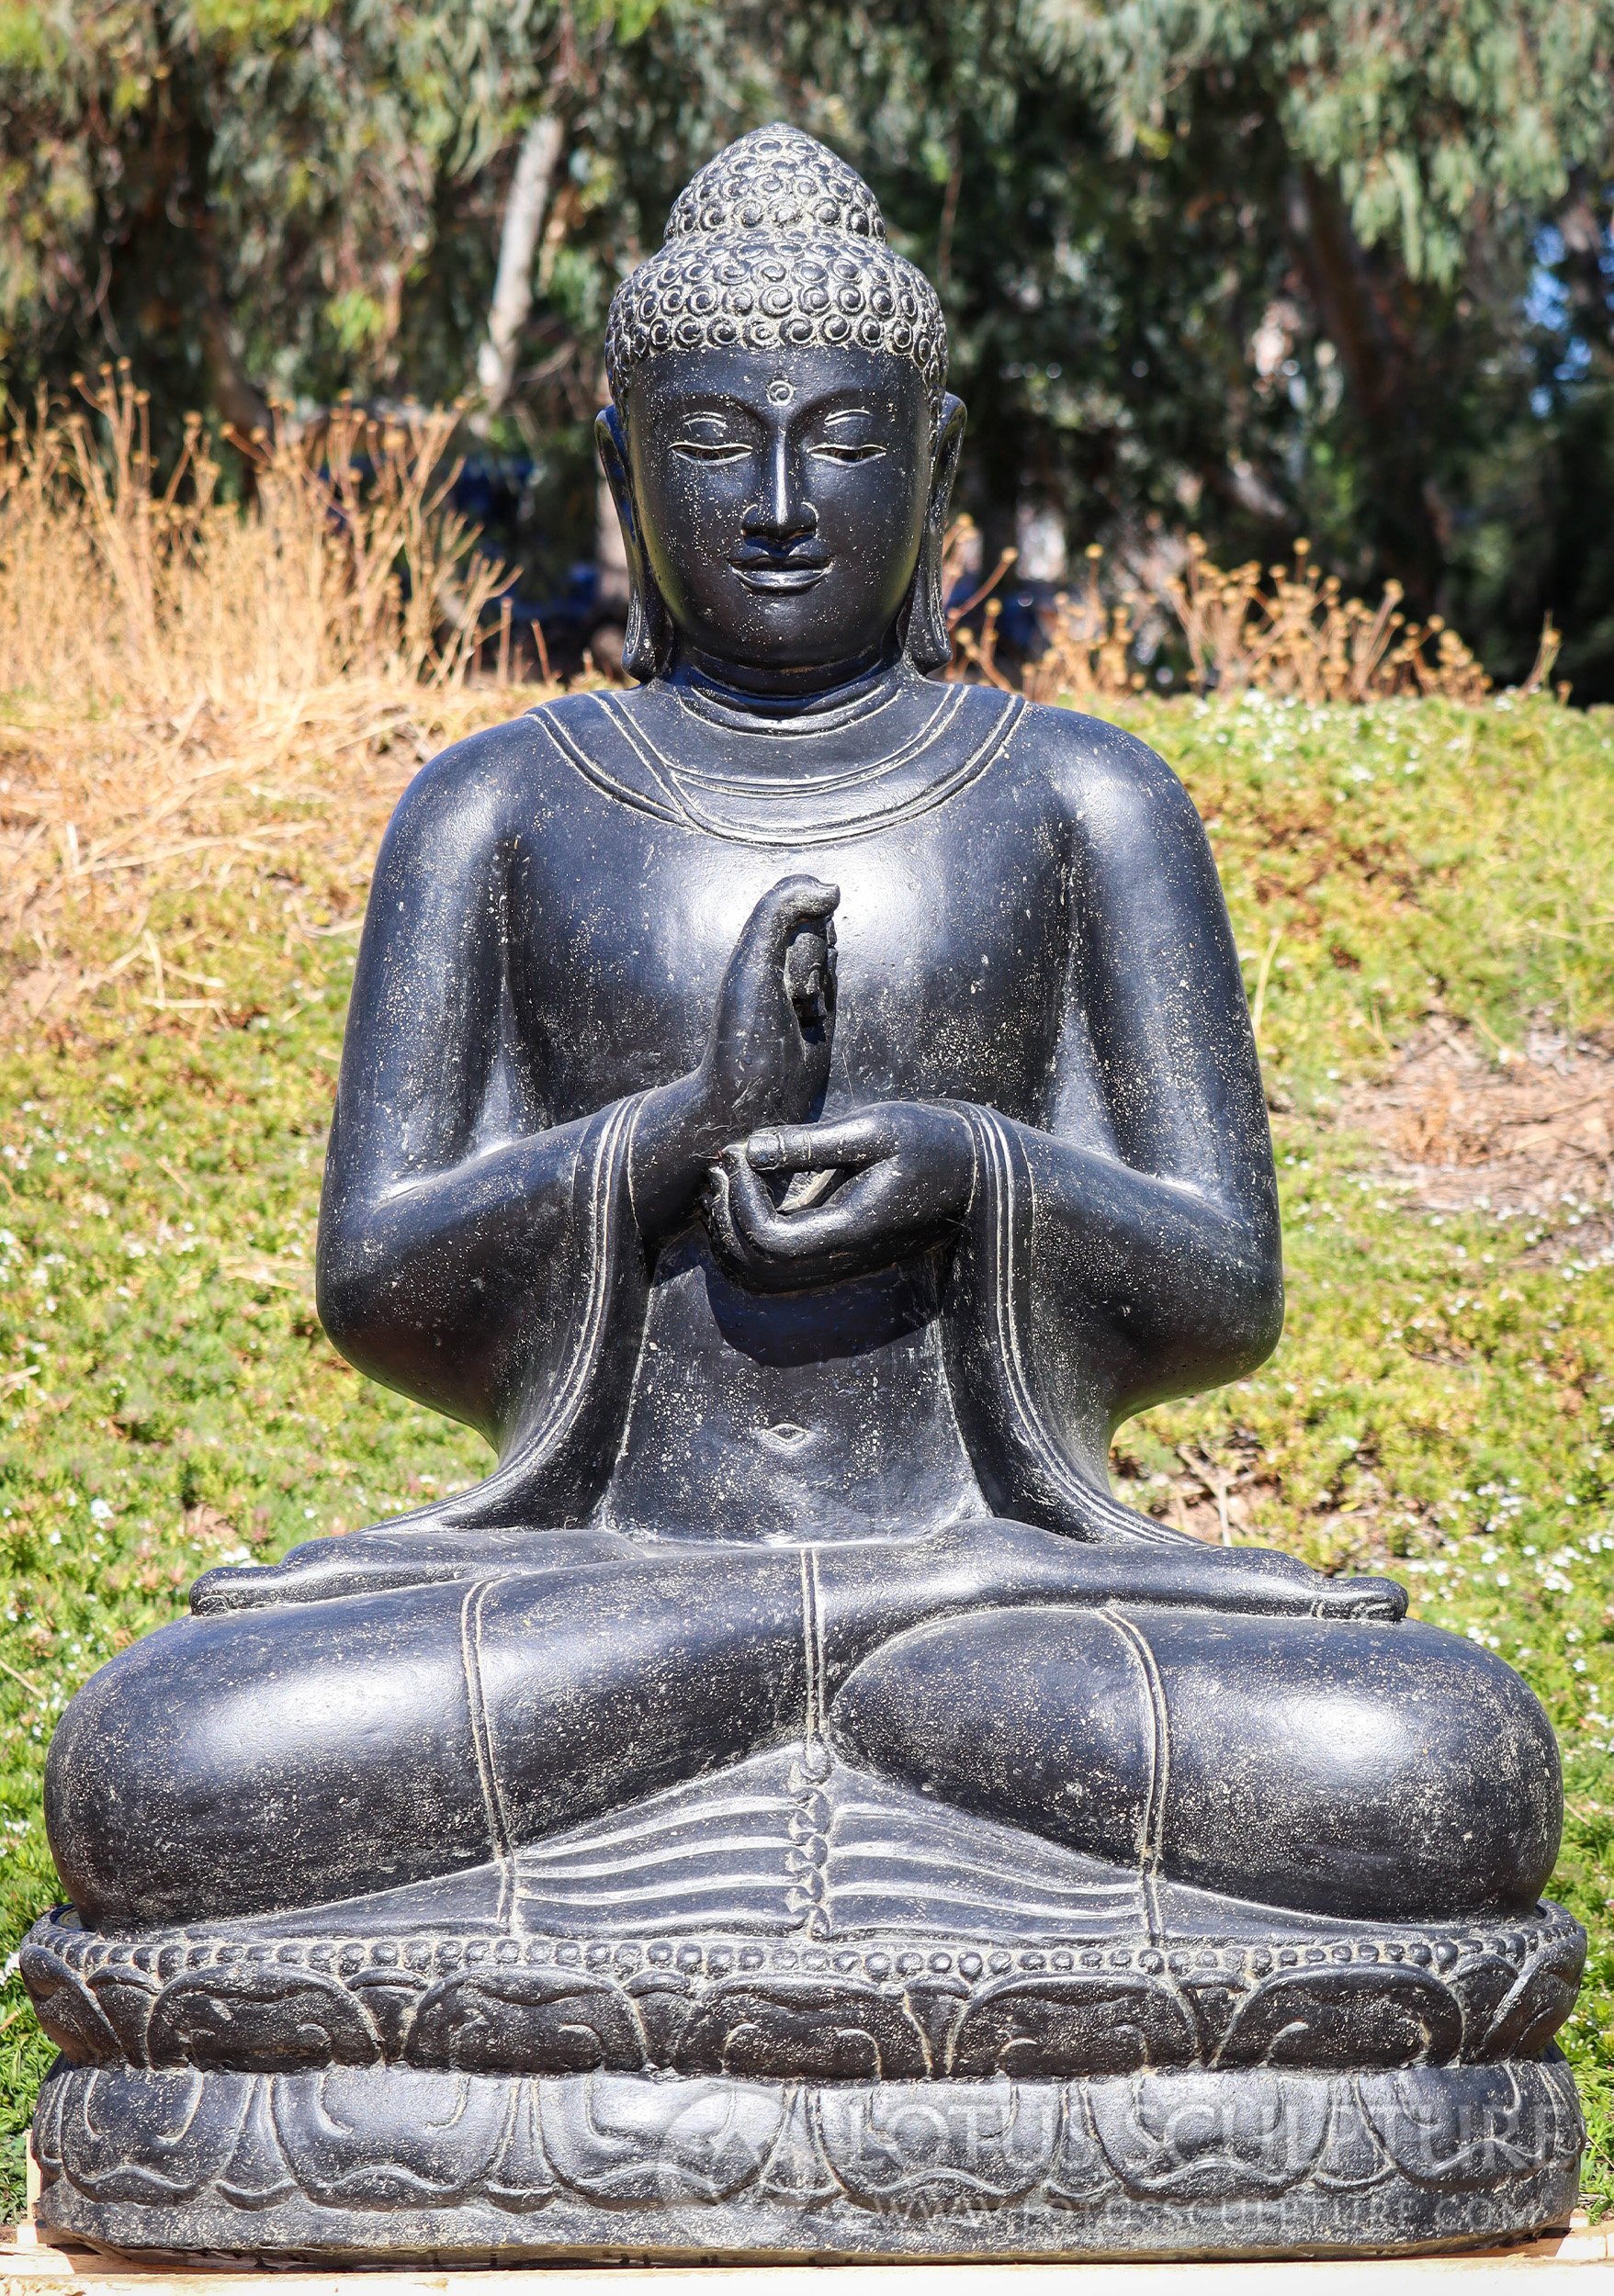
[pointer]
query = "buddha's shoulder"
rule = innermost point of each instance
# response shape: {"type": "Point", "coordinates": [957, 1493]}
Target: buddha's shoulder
{"type": "Point", "coordinates": [607, 732]}
{"type": "Point", "coordinates": [573, 716]}
{"type": "Point", "coordinates": [483, 782]}
{"type": "Point", "coordinates": [1093, 768]}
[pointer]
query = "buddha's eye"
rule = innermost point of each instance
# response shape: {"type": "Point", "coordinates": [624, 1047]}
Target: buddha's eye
{"type": "Point", "coordinates": [837, 451]}
{"type": "Point", "coordinates": [711, 449]}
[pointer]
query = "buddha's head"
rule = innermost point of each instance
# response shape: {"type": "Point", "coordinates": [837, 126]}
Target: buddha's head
{"type": "Point", "coordinates": [780, 442]}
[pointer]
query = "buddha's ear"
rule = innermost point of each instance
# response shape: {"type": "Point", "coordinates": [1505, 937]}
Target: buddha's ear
{"type": "Point", "coordinates": [646, 643]}
{"type": "Point", "coordinates": [927, 641]}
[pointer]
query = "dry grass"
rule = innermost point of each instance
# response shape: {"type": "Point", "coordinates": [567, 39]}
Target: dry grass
{"type": "Point", "coordinates": [1515, 1131]}
{"type": "Point", "coordinates": [190, 690]}
{"type": "Point", "coordinates": [193, 688]}
{"type": "Point", "coordinates": [121, 588]}
{"type": "Point", "coordinates": [1289, 632]}
{"type": "Point", "coordinates": [94, 817]}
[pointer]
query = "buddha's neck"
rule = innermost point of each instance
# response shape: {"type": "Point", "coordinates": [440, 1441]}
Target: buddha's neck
{"type": "Point", "coordinates": [787, 695]}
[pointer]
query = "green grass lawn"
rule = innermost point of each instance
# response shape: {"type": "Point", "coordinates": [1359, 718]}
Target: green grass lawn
{"type": "Point", "coordinates": [1439, 1405]}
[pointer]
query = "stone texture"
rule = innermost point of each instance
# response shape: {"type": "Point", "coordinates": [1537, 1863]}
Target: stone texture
{"type": "Point", "coordinates": [407, 2164]}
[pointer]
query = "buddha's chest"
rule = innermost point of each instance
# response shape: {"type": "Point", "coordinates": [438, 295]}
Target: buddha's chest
{"type": "Point", "coordinates": [952, 942]}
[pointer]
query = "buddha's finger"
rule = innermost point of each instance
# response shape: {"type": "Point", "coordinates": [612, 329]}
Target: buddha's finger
{"type": "Point", "coordinates": [845, 1145]}
{"type": "Point", "coordinates": [819, 1234]}
{"type": "Point", "coordinates": [747, 1207]}
{"type": "Point", "coordinates": [790, 1237]}
{"type": "Point", "coordinates": [1380, 1600]}
{"type": "Point", "coordinates": [785, 908]}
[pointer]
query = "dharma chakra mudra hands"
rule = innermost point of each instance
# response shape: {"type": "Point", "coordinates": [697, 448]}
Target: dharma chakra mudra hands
{"type": "Point", "coordinates": [798, 1204]}
{"type": "Point", "coordinates": [796, 1111]}
{"type": "Point", "coordinates": [854, 1194]}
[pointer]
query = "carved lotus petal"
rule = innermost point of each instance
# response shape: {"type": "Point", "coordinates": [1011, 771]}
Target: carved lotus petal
{"type": "Point", "coordinates": [526, 2020]}
{"type": "Point", "coordinates": [353, 2141]}
{"type": "Point", "coordinates": [1352, 2160]}
{"type": "Point", "coordinates": [260, 2018]}
{"type": "Point", "coordinates": [1080, 2172]}
{"type": "Point", "coordinates": [665, 2143]}
{"type": "Point", "coordinates": [257, 2175]}
{"type": "Point", "coordinates": [1528, 2017]}
{"type": "Point", "coordinates": [67, 2011]}
{"type": "Point", "coordinates": [837, 2031]}
{"type": "Point", "coordinates": [1353, 2017]}
{"type": "Point", "coordinates": [126, 1998]}
{"type": "Point", "coordinates": [149, 2137]}
{"type": "Point", "coordinates": [940, 2145]}
{"type": "Point", "coordinates": [1105, 2023]}
{"type": "Point", "coordinates": [520, 2179]}
{"type": "Point", "coordinates": [1476, 2131]}
{"type": "Point", "coordinates": [1210, 2136]}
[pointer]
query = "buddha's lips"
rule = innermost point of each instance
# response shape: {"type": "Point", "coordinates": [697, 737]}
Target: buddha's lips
{"type": "Point", "coordinates": [781, 575]}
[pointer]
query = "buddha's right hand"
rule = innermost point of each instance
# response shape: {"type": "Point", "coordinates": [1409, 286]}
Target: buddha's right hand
{"type": "Point", "coordinates": [767, 1054]}
{"type": "Point", "coordinates": [769, 1045]}
{"type": "Point", "coordinates": [1259, 1580]}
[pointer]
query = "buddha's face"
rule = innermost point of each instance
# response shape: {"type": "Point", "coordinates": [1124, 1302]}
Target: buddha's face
{"type": "Point", "coordinates": [781, 497]}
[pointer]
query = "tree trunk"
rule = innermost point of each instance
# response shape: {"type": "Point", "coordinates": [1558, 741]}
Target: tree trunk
{"type": "Point", "coordinates": [1382, 374]}
{"type": "Point", "coordinates": [246, 414]}
{"type": "Point", "coordinates": [1586, 249]}
{"type": "Point", "coordinates": [518, 240]}
{"type": "Point", "coordinates": [174, 225]}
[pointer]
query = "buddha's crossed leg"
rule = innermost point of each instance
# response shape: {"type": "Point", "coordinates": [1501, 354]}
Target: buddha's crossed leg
{"type": "Point", "coordinates": [1358, 1770]}
{"type": "Point", "coordinates": [302, 1752]}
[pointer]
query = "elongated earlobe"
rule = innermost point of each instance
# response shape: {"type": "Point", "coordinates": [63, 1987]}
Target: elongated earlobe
{"type": "Point", "coordinates": [647, 645]}
{"type": "Point", "coordinates": [927, 641]}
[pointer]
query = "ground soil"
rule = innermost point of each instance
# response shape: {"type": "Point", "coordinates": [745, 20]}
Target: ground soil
{"type": "Point", "coordinates": [1461, 1124]}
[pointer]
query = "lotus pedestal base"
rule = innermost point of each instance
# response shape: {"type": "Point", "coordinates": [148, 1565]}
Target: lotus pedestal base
{"type": "Point", "coordinates": [392, 2165]}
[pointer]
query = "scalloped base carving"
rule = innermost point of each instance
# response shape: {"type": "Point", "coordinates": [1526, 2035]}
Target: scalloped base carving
{"type": "Point", "coordinates": [388, 2163]}
{"type": "Point", "coordinates": [887, 2008]}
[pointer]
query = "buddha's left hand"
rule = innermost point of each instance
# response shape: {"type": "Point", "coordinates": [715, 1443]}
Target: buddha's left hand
{"type": "Point", "coordinates": [880, 1184]}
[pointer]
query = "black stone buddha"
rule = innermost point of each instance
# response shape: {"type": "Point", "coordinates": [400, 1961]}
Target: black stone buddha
{"type": "Point", "coordinates": [796, 1109]}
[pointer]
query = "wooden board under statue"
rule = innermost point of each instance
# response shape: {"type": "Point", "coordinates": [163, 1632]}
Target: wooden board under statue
{"type": "Point", "coordinates": [795, 1108]}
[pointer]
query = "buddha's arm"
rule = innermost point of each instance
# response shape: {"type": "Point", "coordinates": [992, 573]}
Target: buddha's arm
{"type": "Point", "coordinates": [446, 1193]}
{"type": "Point", "coordinates": [1149, 1174]}
{"type": "Point", "coordinates": [451, 1199]}
{"type": "Point", "coordinates": [1153, 1166]}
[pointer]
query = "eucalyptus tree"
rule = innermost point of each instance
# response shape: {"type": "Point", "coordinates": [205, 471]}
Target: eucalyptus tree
{"type": "Point", "coordinates": [1333, 267]}
{"type": "Point", "coordinates": [1431, 179]}
{"type": "Point", "coordinates": [250, 200]}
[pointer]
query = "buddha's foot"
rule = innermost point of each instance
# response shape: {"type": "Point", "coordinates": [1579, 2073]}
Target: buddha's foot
{"type": "Point", "coordinates": [388, 2163]}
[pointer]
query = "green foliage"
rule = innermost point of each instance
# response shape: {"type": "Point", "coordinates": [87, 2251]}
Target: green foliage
{"type": "Point", "coordinates": [242, 191]}
{"type": "Point", "coordinates": [1422, 199]}
{"type": "Point", "coordinates": [1435, 118]}
{"type": "Point", "coordinates": [1330, 270]}
{"type": "Point", "coordinates": [1438, 1405]}
{"type": "Point", "coordinates": [242, 22]}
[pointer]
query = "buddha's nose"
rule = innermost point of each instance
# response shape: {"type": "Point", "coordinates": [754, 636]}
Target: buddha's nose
{"type": "Point", "coordinates": [784, 513]}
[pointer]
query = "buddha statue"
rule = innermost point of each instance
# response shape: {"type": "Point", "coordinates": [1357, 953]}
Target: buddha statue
{"type": "Point", "coordinates": [796, 1109]}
